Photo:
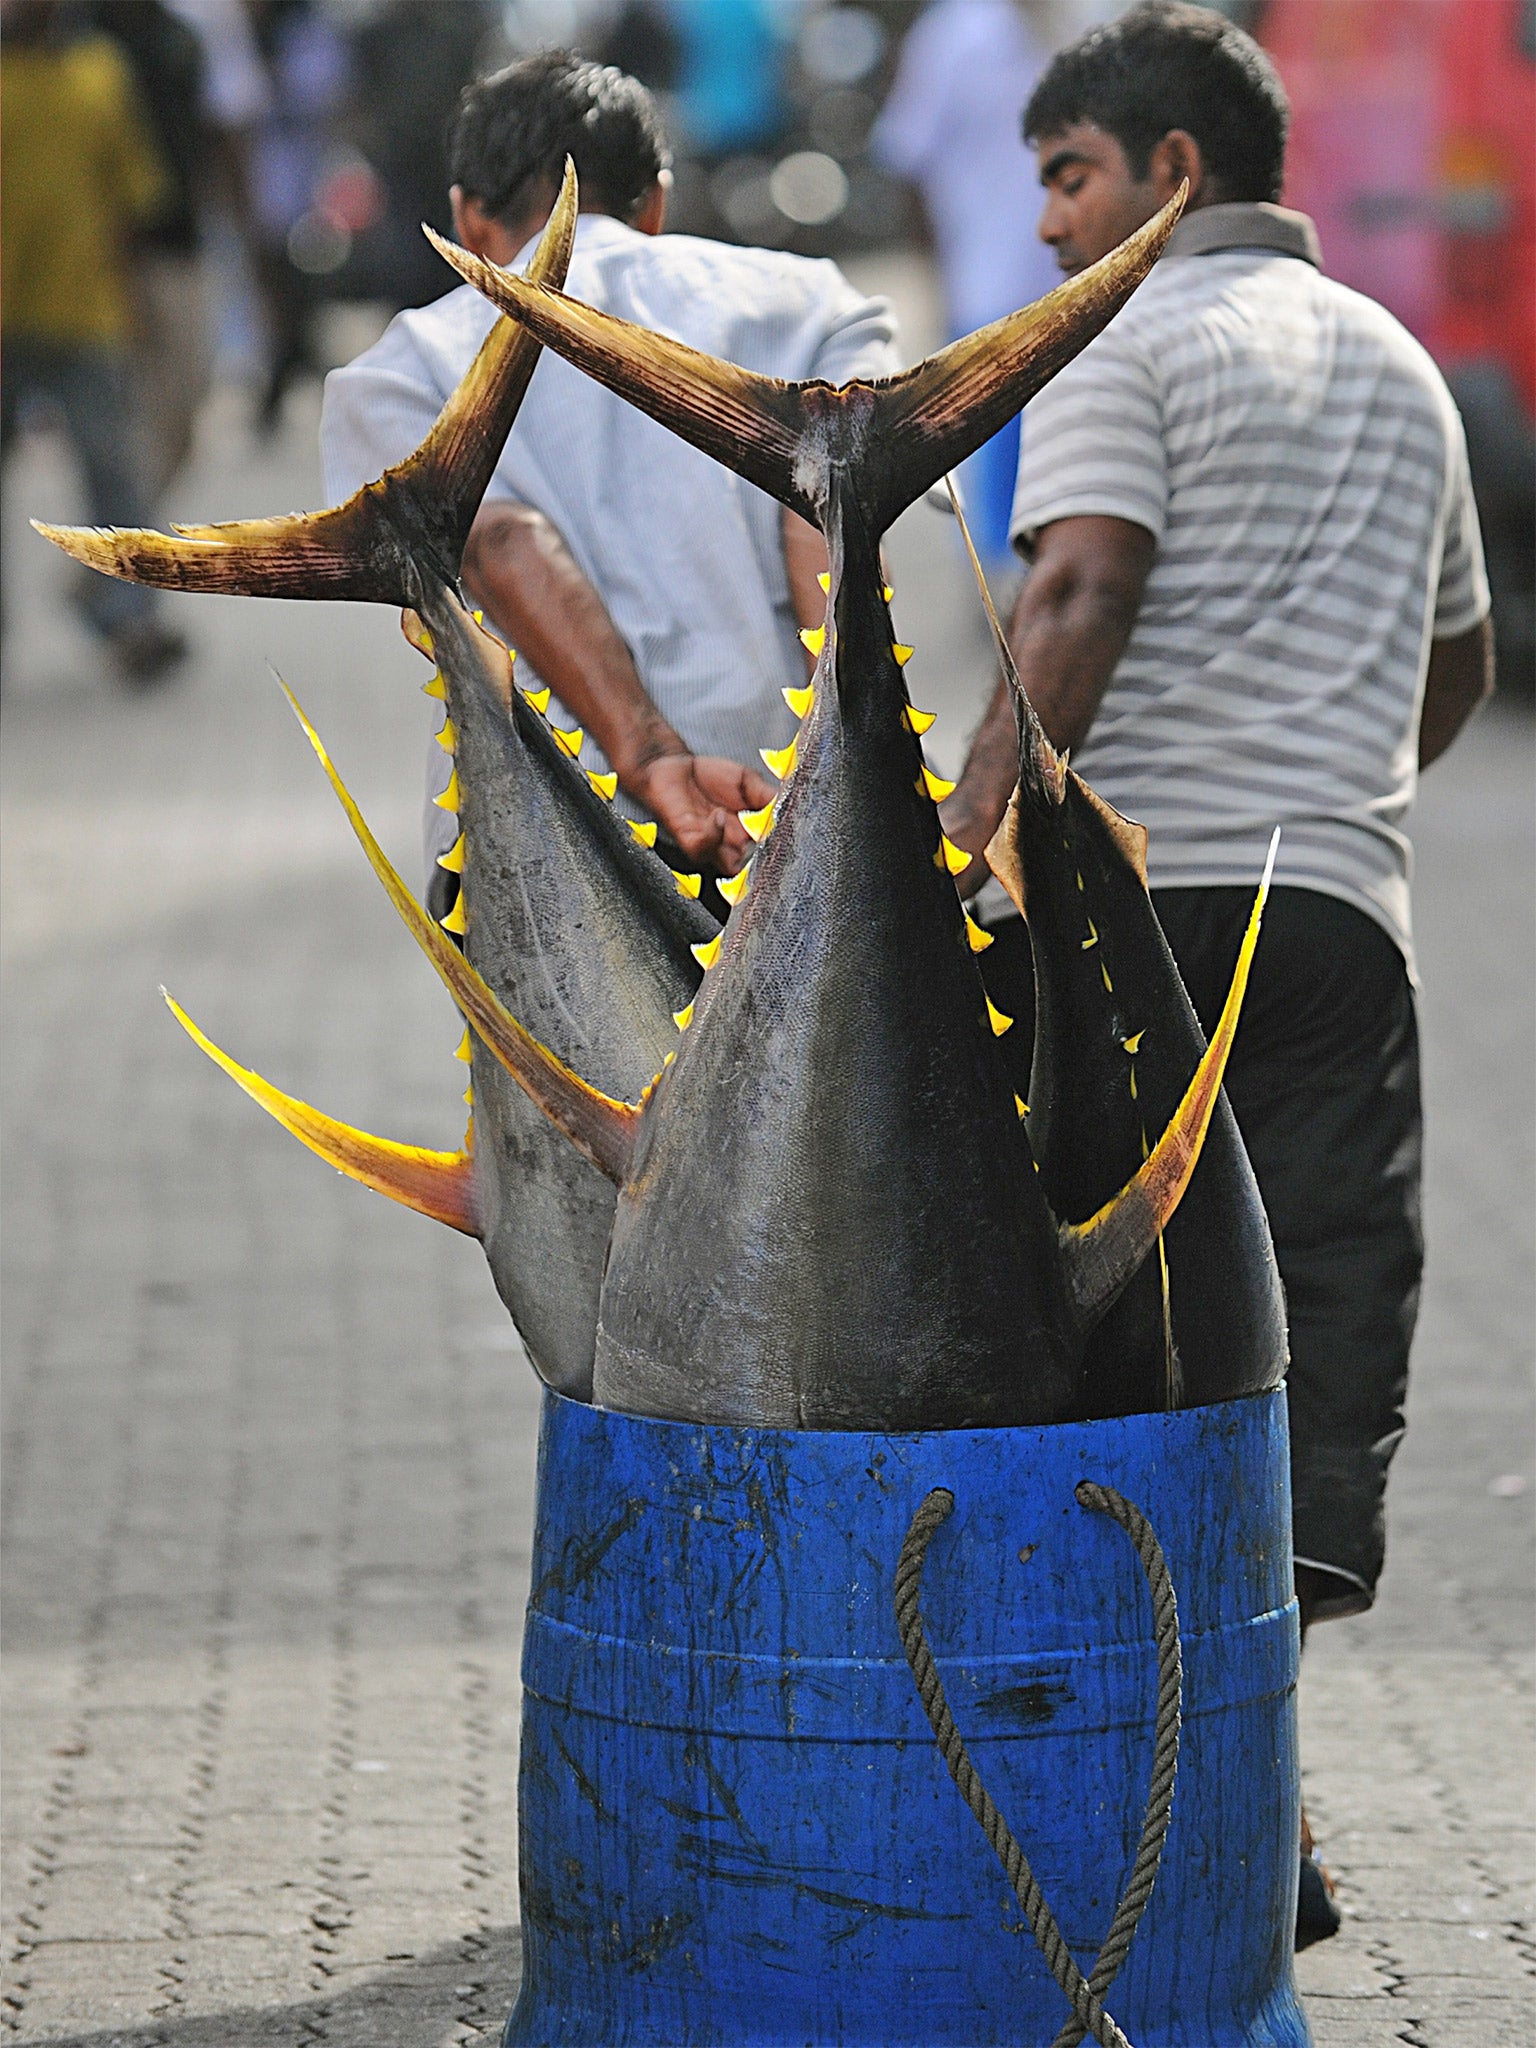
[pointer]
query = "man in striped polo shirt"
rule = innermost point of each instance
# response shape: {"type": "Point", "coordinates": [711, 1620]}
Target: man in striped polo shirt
{"type": "Point", "coordinates": [1256, 598]}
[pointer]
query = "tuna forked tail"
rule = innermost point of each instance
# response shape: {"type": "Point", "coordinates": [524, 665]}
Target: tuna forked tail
{"type": "Point", "coordinates": [415, 519]}
{"type": "Point", "coordinates": [893, 437]}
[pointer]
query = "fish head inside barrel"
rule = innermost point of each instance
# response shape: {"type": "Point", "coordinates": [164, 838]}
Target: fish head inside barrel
{"type": "Point", "coordinates": [570, 922]}
{"type": "Point", "coordinates": [829, 1212]}
{"type": "Point", "coordinates": [1116, 1040]}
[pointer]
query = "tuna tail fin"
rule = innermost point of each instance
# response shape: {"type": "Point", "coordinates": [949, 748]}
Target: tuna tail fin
{"type": "Point", "coordinates": [374, 547]}
{"type": "Point", "coordinates": [895, 436]}
{"type": "Point", "coordinates": [600, 1128]}
{"type": "Point", "coordinates": [1103, 1253]}
{"type": "Point", "coordinates": [438, 1184]}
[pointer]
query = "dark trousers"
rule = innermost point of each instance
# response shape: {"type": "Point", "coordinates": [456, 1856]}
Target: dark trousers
{"type": "Point", "coordinates": [1324, 1083]}
{"type": "Point", "coordinates": [89, 390]}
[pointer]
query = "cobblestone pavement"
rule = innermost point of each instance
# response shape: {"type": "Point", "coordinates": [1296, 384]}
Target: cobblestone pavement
{"type": "Point", "coordinates": [269, 1441]}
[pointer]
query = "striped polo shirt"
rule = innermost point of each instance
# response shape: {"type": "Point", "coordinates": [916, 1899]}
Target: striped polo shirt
{"type": "Point", "coordinates": [1299, 462]}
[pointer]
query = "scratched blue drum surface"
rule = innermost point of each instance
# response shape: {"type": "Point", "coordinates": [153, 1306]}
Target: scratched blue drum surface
{"type": "Point", "coordinates": [735, 1826]}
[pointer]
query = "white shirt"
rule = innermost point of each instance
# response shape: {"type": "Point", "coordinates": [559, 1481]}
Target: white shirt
{"type": "Point", "coordinates": [686, 556]}
{"type": "Point", "coordinates": [1298, 460]}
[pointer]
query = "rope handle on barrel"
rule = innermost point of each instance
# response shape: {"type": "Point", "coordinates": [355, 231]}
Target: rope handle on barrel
{"type": "Point", "coordinates": [1084, 1994]}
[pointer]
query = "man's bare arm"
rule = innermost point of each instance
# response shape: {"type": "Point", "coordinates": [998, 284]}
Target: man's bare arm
{"type": "Point", "coordinates": [1460, 678]}
{"type": "Point", "coordinates": [805, 559]}
{"type": "Point", "coordinates": [1069, 628]}
{"type": "Point", "coordinates": [521, 572]}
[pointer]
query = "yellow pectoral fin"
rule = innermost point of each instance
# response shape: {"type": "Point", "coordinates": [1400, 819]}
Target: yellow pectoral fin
{"type": "Point", "coordinates": [600, 1128]}
{"type": "Point", "coordinates": [1103, 1253]}
{"type": "Point", "coordinates": [438, 1184]}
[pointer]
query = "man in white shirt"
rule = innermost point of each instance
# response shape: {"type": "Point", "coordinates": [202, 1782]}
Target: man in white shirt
{"type": "Point", "coordinates": [656, 593]}
{"type": "Point", "coordinates": [1256, 598]}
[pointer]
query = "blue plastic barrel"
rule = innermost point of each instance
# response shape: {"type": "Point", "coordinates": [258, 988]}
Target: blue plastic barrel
{"type": "Point", "coordinates": [735, 1825]}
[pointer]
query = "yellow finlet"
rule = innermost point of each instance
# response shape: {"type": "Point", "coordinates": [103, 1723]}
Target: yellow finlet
{"type": "Point", "coordinates": [886, 592]}
{"type": "Point", "coordinates": [1109, 986]}
{"type": "Point", "coordinates": [668, 1058]}
{"type": "Point", "coordinates": [598, 1125]}
{"type": "Point", "coordinates": [453, 859]}
{"type": "Point", "coordinates": [734, 887]}
{"type": "Point", "coordinates": [422, 638]}
{"type": "Point", "coordinates": [570, 741]}
{"type": "Point", "coordinates": [997, 1020]}
{"type": "Point", "coordinates": [684, 1017]}
{"type": "Point", "coordinates": [951, 857]}
{"type": "Point", "coordinates": [454, 921]}
{"type": "Point", "coordinates": [643, 829]}
{"type": "Point", "coordinates": [468, 1097]}
{"type": "Point", "coordinates": [539, 699]}
{"type": "Point", "coordinates": [448, 736]}
{"type": "Point", "coordinates": [757, 824]}
{"type": "Point", "coordinates": [1134, 1094]}
{"type": "Point", "coordinates": [825, 580]}
{"type": "Point", "coordinates": [813, 638]}
{"type": "Point", "coordinates": [779, 761]}
{"type": "Point", "coordinates": [1133, 1043]}
{"type": "Point", "coordinates": [437, 1184]}
{"type": "Point", "coordinates": [902, 654]}
{"type": "Point", "coordinates": [935, 785]}
{"type": "Point", "coordinates": [436, 688]}
{"type": "Point", "coordinates": [449, 800]}
{"type": "Point", "coordinates": [688, 885]}
{"type": "Point", "coordinates": [800, 700]}
{"type": "Point", "coordinates": [1021, 1105]}
{"type": "Point", "coordinates": [707, 952]}
{"type": "Point", "coordinates": [1093, 936]}
{"type": "Point", "coordinates": [464, 1050]}
{"type": "Point", "coordinates": [976, 938]}
{"type": "Point", "coordinates": [605, 785]}
{"type": "Point", "coordinates": [917, 721]}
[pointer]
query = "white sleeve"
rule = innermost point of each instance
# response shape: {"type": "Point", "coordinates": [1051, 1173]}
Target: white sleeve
{"type": "Point", "coordinates": [1462, 599]}
{"type": "Point", "coordinates": [1092, 443]}
{"type": "Point", "coordinates": [374, 415]}
{"type": "Point", "coordinates": [858, 337]}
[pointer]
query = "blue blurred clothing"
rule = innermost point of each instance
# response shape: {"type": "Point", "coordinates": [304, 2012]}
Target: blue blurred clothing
{"type": "Point", "coordinates": [730, 86]}
{"type": "Point", "coordinates": [951, 128]}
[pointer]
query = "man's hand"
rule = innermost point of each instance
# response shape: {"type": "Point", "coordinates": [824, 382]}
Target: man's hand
{"type": "Point", "coordinates": [695, 799]}
{"type": "Point", "coordinates": [974, 810]}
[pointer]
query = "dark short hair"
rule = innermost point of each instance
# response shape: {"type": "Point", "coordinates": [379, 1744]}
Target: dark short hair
{"type": "Point", "coordinates": [1169, 65]}
{"type": "Point", "coordinates": [513, 132]}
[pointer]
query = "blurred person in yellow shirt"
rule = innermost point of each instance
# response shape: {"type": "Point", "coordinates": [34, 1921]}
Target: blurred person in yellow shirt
{"type": "Point", "coordinates": [80, 177]}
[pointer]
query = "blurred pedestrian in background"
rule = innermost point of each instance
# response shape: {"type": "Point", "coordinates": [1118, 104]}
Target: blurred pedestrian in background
{"type": "Point", "coordinates": [306, 63]}
{"type": "Point", "coordinates": [410, 62]}
{"type": "Point", "coordinates": [656, 592]}
{"type": "Point", "coordinates": [172, 352]}
{"type": "Point", "coordinates": [951, 127]}
{"type": "Point", "coordinates": [1256, 598]}
{"type": "Point", "coordinates": [81, 182]}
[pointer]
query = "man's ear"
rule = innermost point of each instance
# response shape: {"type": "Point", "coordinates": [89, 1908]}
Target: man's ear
{"type": "Point", "coordinates": [1176, 157]}
{"type": "Point", "coordinates": [650, 214]}
{"type": "Point", "coordinates": [480, 232]}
